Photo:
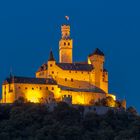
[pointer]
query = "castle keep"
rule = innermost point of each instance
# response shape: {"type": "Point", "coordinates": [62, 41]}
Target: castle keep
{"type": "Point", "coordinates": [79, 83]}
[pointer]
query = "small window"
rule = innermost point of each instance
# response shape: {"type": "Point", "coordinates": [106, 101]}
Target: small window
{"type": "Point", "coordinates": [82, 72]}
{"type": "Point", "coordinates": [72, 80]}
{"type": "Point", "coordinates": [52, 72]}
{"type": "Point", "coordinates": [65, 79]}
{"type": "Point", "coordinates": [52, 88]}
{"type": "Point", "coordinates": [64, 43]}
{"type": "Point", "coordinates": [40, 88]}
{"type": "Point", "coordinates": [32, 88]}
{"type": "Point", "coordinates": [46, 88]}
{"type": "Point", "coordinates": [50, 65]}
{"type": "Point", "coordinates": [68, 44]}
{"type": "Point", "coordinates": [19, 87]}
{"type": "Point", "coordinates": [25, 87]}
{"type": "Point", "coordinates": [75, 71]}
{"type": "Point", "coordinates": [69, 71]}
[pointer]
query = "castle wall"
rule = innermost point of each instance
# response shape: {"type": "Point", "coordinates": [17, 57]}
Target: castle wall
{"type": "Point", "coordinates": [77, 79]}
{"type": "Point", "coordinates": [8, 93]}
{"type": "Point", "coordinates": [31, 92]}
{"type": "Point", "coordinates": [42, 74]}
{"type": "Point", "coordinates": [104, 81]}
{"type": "Point", "coordinates": [83, 98]}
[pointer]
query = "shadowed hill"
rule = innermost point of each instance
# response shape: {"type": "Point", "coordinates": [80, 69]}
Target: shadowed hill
{"type": "Point", "coordinates": [34, 122]}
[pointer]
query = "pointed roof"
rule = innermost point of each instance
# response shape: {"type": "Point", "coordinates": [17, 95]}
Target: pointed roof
{"type": "Point", "coordinates": [97, 52]}
{"type": "Point", "coordinates": [51, 57]}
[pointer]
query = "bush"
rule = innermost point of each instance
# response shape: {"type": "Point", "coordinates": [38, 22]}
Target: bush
{"type": "Point", "coordinates": [28, 121]}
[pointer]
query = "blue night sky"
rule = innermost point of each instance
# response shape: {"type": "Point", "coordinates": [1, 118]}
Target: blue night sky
{"type": "Point", "coordinates": [29, 28]}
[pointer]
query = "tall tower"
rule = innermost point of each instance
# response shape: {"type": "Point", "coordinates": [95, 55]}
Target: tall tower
{"type": "Point", "coordinates": [65, 45]}
{"type": "Point", "coordinates": [97, 59]}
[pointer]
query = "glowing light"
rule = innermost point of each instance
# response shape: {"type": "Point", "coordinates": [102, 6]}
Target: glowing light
{"type": "Point", "coordinates": [79, 99]}
{"type": "Point", "coordinates": [113, 96]}
{"type": "Point", "coordinates": [33, 96]}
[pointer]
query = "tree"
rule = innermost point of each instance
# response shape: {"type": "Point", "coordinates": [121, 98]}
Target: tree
{"type": "Point", "coordinates": [132, 110]}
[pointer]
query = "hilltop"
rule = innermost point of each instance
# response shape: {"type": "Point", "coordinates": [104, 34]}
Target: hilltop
{"type": "Point", "coordinates": [23, 121]}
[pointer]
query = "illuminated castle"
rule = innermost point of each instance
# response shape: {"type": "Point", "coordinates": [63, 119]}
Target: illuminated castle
{"type": "Point", "coordinates": [80, 83]}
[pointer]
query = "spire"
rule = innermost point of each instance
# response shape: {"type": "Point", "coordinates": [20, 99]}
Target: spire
{"type": "Point", "coordinates": [97, 52]}
{"type": "Point", "coordinates": [11, 73]}
{"type": "Point", "coordinates": [51, 57]}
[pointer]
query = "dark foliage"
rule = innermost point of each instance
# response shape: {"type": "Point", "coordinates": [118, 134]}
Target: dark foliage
{"type": "Point", "coordinates": [27, 121]}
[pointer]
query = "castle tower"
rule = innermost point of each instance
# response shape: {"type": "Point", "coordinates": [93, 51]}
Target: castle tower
{"type": "Point", "coordinates": [97, 60]}
{"type": "Point", "coordinates": [65, 45]}
{"type": "Point", "coordinates": [51, 64]}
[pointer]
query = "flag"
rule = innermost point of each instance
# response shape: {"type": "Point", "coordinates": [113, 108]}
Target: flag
{"type": "Point", "coordinates": [67, 17]}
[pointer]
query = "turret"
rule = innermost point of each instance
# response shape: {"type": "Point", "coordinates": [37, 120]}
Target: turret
{"type": "Point", "coordinates": [65, 45]}
{"type": "Point", "coordinates": [51, 57]}
{"type": "Point", "coordinates": [97, 60]}
{"type": "Point", "coordinates": [51, 65]}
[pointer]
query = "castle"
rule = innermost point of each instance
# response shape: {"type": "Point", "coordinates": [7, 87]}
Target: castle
{"type": "Point", "coordinates": [79, 83]}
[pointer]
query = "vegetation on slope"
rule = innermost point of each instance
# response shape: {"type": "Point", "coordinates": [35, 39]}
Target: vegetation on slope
{"type": "Point", "coordinates": [27, 121]}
